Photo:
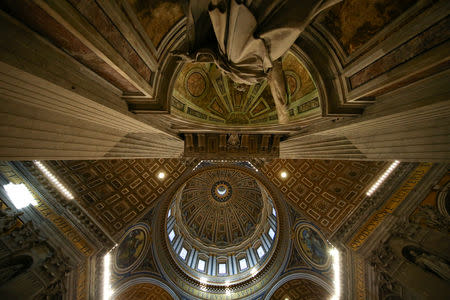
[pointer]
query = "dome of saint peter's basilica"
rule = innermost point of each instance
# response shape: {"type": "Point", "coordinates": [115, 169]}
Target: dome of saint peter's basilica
{"type": "Point", "coordinates": [222, 228]}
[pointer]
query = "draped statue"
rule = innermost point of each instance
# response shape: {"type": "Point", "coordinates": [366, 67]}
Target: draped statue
{"type": "Point", "coordinates": [247, 38]}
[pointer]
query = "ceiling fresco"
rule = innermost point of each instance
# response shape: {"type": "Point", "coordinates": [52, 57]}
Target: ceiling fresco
{"type": "Point", "coordinates": [202, 93]}
{"type": "Point", "coordinates": [355, 22]}
{"type": "Point", "coordinates": [157, 16]}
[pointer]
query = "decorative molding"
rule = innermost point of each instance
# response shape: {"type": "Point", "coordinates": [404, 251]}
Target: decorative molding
{"type": "Point", "coordinates": [231, 146]}
{"type": "Point", "coordinates": [354, 221]}
{"type": "Point", "coordinates": [390, 205]}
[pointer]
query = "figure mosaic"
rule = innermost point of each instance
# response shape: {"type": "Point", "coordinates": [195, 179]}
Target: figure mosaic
{"type": "Point", "coordinates": [313, 246]}
{"type": "Point", "coordinates": [130, 248]}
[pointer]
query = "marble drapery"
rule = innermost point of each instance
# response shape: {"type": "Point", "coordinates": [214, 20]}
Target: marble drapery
{"type": "Point", "coordinates": [246, 39]}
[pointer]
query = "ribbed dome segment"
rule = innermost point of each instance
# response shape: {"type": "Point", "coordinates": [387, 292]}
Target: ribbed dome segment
{"type": "Point", "coordinates": [221, 207]}
{"type": "Point", "coordinates": [222, 225]}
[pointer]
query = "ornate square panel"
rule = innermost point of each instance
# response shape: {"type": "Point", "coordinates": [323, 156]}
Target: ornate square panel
{"type": "Point", "coordinates": [326, 191]}
{"type": "Point", "coordinates": [116, 192]}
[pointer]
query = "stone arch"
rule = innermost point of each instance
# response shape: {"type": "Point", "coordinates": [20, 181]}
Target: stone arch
{"type": "Point", "coordinates": [143, 285]}
{"type": "Point", "coordinates": [320, 286]}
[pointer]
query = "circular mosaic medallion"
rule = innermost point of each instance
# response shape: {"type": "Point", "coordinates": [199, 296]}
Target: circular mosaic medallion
{"type": "Point", "coordinates": [221, 191]}
{"type": "Point", "coordinates": [196, 84]}
{"type": "Point", "coordinates": [132, 248]}
{"type": "Point", "coordinates": [312, 246]}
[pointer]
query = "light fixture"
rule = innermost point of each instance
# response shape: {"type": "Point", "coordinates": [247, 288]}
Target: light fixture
{"type": "Point", "coordinates": [337, 273]}
{"type": "Point", "coordinates": [283, 174]}
{"type": "Point", "coordinates": [19, 195]}
{"type": "Point", "coordinates": [382, 178]}
{"type": "Point", "coordinates": [161, 175]}
{"type": "Point", "coordinates": [106, 275]}
{"type": "Point", "coordinates": [54, 180]}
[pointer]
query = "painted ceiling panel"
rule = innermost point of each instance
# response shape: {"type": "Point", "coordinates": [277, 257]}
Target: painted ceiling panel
{"type": "Point", "coordinates": [354, 22]}
{"type": "Point", "coordinates": [202, 93]}
{"type": "Point", "coordinates": [157, 16]}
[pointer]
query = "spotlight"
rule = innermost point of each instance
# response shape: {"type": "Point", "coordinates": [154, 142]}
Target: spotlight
{"type": "Point", "coordinates": [161, 175]}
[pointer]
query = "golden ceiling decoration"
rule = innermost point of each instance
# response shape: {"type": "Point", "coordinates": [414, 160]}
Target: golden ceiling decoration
{"type": "Point", "coordinates": [202, 93]}
{"type": "Point", "coordinates": [221, 207]}
{"type": "Point", "coordinates": [326, 191]}
{"type": "Point", "coordinates": [117, 192]}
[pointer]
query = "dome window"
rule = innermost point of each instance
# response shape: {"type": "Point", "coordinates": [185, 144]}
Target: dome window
{"type": "Point", "coordinates": [222, 268]}
{"type": "Point", "coordinates": [183, 253]}
{"type": "Point", "coordinates": [243, 264]}
{"type": "Point", "coordinates": [271, 233]}
{"type": "Point", "coordinates": [201, 265]}
{"type": "Point", "coordinates": [171, 235]}
{"type": "Point", "coordinates": [260, 251]}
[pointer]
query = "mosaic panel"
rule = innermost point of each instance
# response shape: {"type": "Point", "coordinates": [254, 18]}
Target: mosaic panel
{"type": "Point", "coordinates": [132, 248]}
{"type": "Point", "coordinates": [300, 289]}
{"type": "Point", "coordinates": [117, 192]}
{"type": "Point", "coordinates": [203, 93]}
{"type": "Point", "coordinates": [312, 246]}
{"type": "Point", "coordinates": [434, 210]}
{"type": "Point", "coordinates": [326, 191]}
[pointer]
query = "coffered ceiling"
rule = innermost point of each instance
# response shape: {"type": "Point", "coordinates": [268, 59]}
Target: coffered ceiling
{"type": "Point", "coordinates": [327, 191]}
{"type": "Point", "coordinates": [117, 192]}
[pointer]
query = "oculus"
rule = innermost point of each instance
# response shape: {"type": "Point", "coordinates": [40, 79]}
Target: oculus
{"type": "Point", "coordinates": [221, 191]}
